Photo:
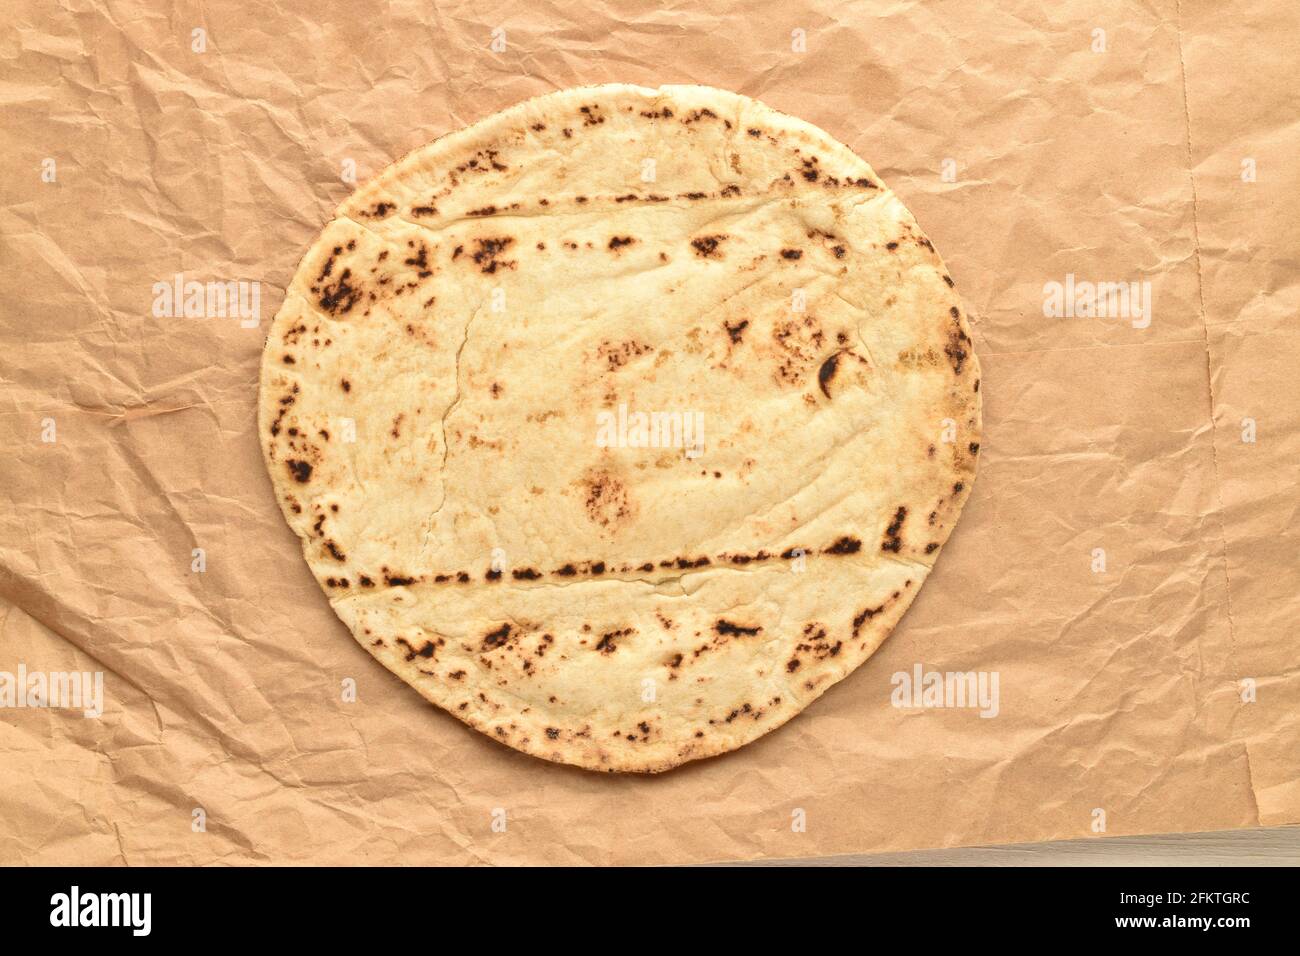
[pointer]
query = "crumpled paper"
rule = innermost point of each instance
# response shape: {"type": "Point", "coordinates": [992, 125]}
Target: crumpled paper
{"type": "Point", "coordinates": [1121, 142]}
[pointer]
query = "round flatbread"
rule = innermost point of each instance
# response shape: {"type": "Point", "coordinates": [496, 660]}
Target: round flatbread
{"type": "Point", "coordinates": [623, 423]}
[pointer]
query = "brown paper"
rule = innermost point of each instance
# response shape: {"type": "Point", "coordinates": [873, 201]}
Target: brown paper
{"type": "Point", "coordinates": [1125, 694]}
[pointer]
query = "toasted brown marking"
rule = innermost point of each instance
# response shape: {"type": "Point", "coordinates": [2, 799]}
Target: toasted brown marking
{"type": "Point", "coordinates": [339, 297]}
{"type": "Point", "coordinates": [736, 331]}
{"type": "Point", "coordinates": [956, 351]}
{"type": "Point", "coordinates": [328, 268]}
{"type": "Point", "coordinates": [608, 641]}
{"type": "Point", "coordinates": [618, 354]}
{"type": "Point", "coordinates": [728, 629]}
{"type": "Point", "coordinates": [827, 372]}
{"type": "Point", "coordinates": [866, 615]}
{"type": "Point", "coordinates": [426, 651]}
{"type": "Point", "coordinates": [420, 260]}
{"type": "Point", "coordinates": [892, 541]}
{"type": "Point", "coordinates": [487, 254]}
{"type": "Point", "coordinates": [493, 639]}
{"type": "Point", "coordinates": [844, 545]}
{"type": "Point", "coordinates": [706, 247]}
{"type": "Point", "coordinates": [300, 470]}
{"type": "Point", "coordinates": [685, 564]}
{"type": "Point", "coordinates": [607, 500]}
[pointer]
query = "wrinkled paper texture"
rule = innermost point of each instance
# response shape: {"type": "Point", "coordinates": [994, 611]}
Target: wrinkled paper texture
{"type": "Point", "coordinates": [1162, 691]}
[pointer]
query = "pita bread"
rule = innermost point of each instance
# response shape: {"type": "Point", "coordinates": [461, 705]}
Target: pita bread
{"type": "Point", "coordinates": [623, 423]}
